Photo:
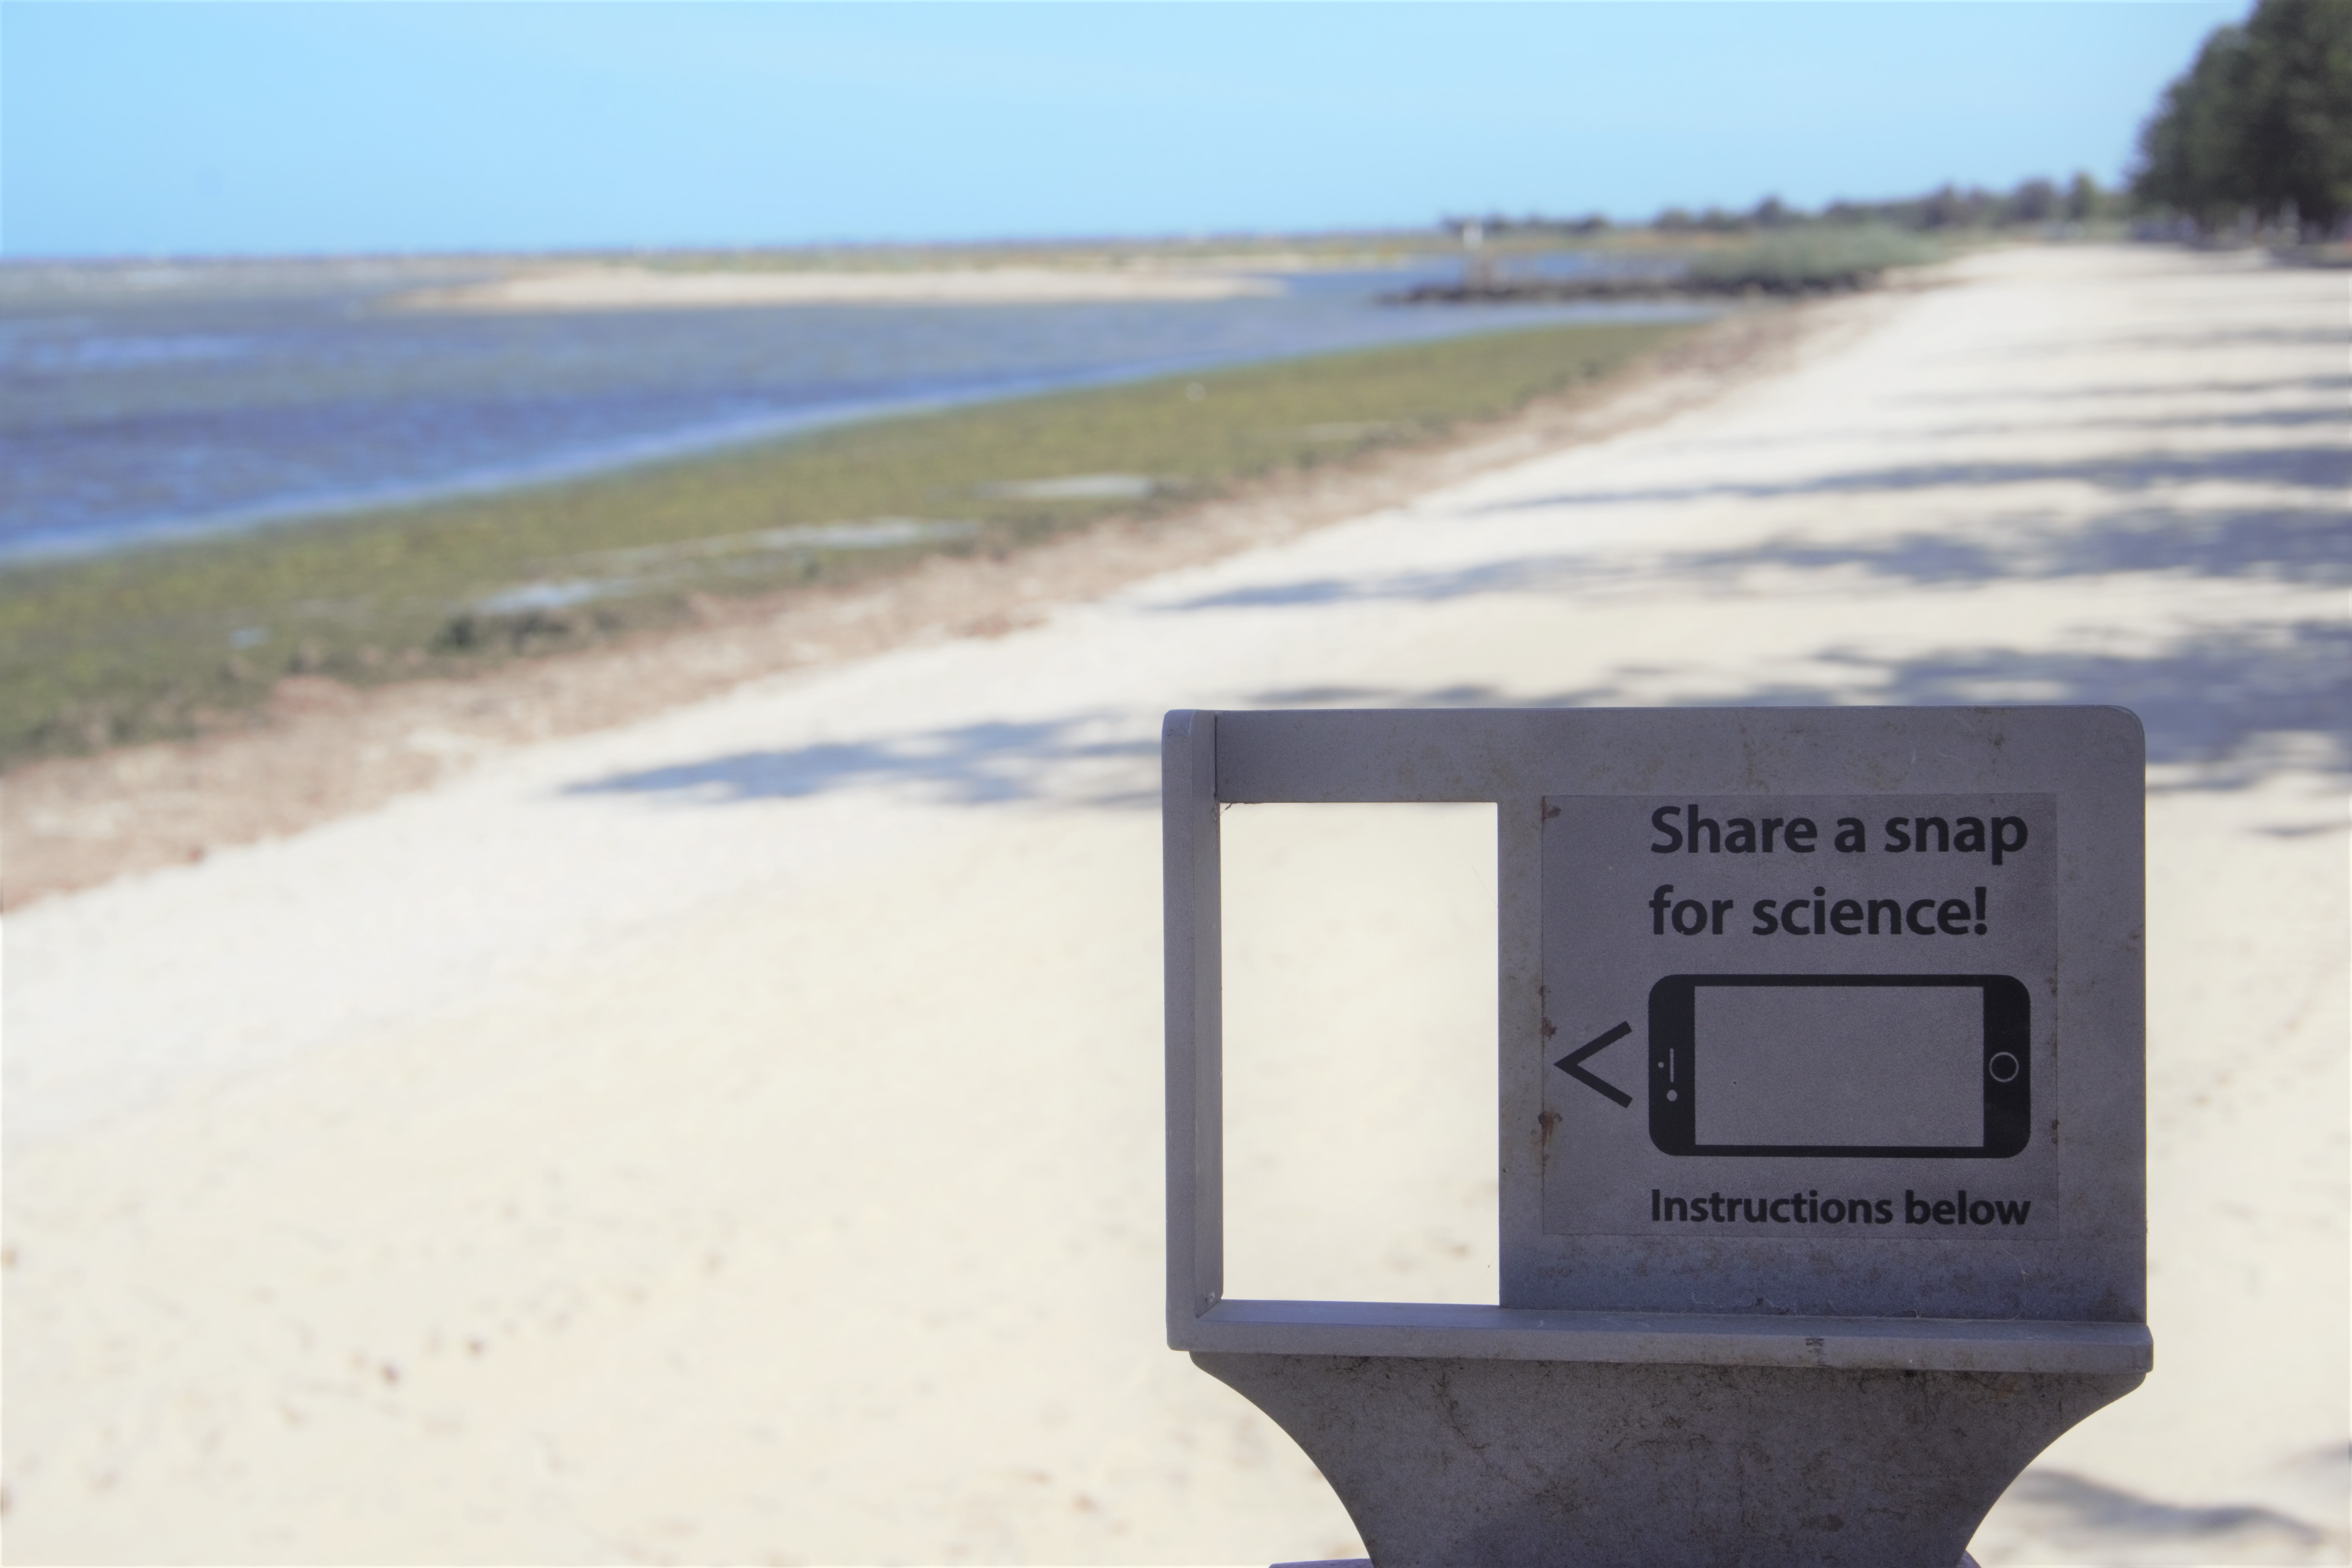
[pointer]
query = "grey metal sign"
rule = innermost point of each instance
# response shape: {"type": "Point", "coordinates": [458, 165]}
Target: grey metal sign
{"type": "Point", "coordinates": [1820, 1048]}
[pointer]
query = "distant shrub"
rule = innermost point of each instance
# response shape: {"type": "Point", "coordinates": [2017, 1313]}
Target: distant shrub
{"type": "Point", "coordinates": [1805, 260]}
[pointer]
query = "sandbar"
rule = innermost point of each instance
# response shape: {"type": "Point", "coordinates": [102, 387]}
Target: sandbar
{"type": "Point", "coordinates": [591, 288]}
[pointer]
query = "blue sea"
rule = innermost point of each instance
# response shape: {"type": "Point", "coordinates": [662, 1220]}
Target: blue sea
{"type": "Point", "coordinates": [144, 401]}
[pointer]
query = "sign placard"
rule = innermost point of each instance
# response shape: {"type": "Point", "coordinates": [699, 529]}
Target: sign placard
{"type": "Point", "coordinates": [1815, 1028]}
{"type": "Point", "coordinates": [1802, 1018]}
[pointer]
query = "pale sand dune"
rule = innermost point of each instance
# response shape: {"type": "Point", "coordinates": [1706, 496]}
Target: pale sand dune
{"type": "Point", "coordinates": [735, 1136]}
{"type": "Point", "coordinates": [644, 288]}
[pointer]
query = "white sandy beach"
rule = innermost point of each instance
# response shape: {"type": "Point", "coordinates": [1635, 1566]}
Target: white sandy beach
{"type": "Point", "coordinates": [735, 1136]}
{"type": "Point", "coordinates": [646, 289]}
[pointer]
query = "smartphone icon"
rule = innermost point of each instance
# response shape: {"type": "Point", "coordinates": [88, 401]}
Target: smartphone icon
{"type": "Point", "coordinates": [1915, 1066]}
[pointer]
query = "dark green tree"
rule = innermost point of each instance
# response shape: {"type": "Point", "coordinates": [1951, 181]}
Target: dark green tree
{"type": "Point", "coordinates": [2261, 123]}
{"type": "Point", "coordinates": [2082, 198]}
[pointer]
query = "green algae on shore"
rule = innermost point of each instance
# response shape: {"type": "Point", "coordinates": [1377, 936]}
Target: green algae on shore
{"type": "Point", "coordinates": [172, 640]}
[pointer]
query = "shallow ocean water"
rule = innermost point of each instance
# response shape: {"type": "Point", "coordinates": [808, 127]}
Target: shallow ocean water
{"type": "Point", "coordinates": [141, 401]}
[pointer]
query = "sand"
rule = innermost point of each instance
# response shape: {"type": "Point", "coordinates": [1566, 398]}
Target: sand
{"type": "Point", "coordinates": [644, 288]}
{"type": "Point", "coordinates": [733, 1133]}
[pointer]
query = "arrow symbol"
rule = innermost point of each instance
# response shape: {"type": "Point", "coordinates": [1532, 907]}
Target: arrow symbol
{"type": "Point", "coordinates": [1568, 1064]}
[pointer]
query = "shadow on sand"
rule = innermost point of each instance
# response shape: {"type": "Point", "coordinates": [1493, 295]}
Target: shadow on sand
{"type": "Point", "coordinates": [2308, 545]}
{"type": "Point", "coordinates": [968, 765]}
{"type": "Point", "coordinates": [2234, 706]}
{"type": "Point", "coordinates": [2089, 1523]}
{"type": "Point", "coordinates": [2324, 469]}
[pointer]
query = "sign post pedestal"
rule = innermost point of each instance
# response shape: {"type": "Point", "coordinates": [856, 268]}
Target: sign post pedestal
{"type": "Point", "coordinates": [1462, 1462]}
{"type": "Point", "coordinates": [1822, 1195]}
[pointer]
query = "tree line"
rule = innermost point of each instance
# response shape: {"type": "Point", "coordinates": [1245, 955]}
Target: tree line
{"type": "Point", "coordinates": [2033, 202]}
{"type": "Point", "coordinates": [2258, 132]}
{"type": "Point", "coordinates": [2255, 135]}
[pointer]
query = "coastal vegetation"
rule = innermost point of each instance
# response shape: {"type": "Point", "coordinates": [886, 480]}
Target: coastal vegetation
{"type": "Point", "coordinates": [1772, 247]}
{"type": "Point", "coordinates": [2258, 131]}
{"type": "Point", "coordinates": [170, 640]}
{"type": "Point", "coordinates": [1949, 210]}
{"type": "Point", "coordinates": [1812, 260]}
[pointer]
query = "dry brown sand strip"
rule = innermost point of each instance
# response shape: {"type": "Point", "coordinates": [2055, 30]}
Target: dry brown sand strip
{"type": "Point", "coordinates": [734, 1134]}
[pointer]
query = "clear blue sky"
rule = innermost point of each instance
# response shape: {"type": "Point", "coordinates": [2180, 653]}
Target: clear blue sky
{"type": "Point", "coordinates": [194, 128]}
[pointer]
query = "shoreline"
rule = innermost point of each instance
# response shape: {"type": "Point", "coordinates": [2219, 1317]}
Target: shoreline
{"type": "Point", "coordinates": [324, 748]}
{"type": "Point", "coordinates": [182, 639]}
{"type": "Point", "coordinates": [54, 545]}
{"type": "Point", "coordinates": [614, 459]}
